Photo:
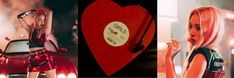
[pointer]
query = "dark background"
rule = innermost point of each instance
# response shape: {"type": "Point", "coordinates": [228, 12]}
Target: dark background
{"type": "Point", "coordinates": [143, 65]}
{"type": "Point", "coordinates": [64, 14]}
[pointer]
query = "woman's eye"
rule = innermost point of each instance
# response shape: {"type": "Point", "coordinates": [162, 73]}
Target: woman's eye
{"type": "Point", "coordinates": [197, 26]}
{"type": "Point", "coordinates": [190, 26]}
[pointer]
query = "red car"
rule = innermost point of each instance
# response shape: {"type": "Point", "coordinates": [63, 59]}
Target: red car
{"type": "Point", "coordinates": [14, 60]}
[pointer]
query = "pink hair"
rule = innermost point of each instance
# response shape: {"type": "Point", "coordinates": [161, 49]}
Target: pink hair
{"type": "Point", "coordinates": [38, 13]}
{"type": "Point", "coordinates": [211, 24]}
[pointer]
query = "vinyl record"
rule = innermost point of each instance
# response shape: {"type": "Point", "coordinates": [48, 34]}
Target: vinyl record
{"type": "Point", "coordinates": [112, 32]}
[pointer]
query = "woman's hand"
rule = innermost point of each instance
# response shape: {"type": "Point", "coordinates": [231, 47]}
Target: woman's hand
{"type": "Point", "coordinates": [173, 48]}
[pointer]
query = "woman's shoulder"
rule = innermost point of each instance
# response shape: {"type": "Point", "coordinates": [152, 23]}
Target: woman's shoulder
{"type": "Point", "coordinates": [206, 52]}
{"type": "Point", "coordinates": [209, 54]}
{"type": "Point", "coordinates": [203, 51]}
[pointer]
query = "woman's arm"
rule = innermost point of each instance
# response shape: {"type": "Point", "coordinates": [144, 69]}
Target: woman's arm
{"type": "Point", "coordinates": [24, 24]}
{"type": "Point", "coordinates": [49, 20]}
{"type": "Point", "coordinates": [173, 49]}
{"type": "Point", "coordinates": [170, 68]}
{"type": "Point", "coordinates": [22, 21]}
{"type": "Point", "coordinates": [197, 67]}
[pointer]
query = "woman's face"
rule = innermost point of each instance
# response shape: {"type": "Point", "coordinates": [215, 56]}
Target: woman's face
{"type": "Point", "coordinates": [195, 30]}
{"type": "Point", "coordinates": [40, 20]}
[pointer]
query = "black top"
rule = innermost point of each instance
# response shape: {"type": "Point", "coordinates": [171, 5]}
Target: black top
{"type": "Point", "coordinates": [36, 38]}
{"type": "Point", "coordinates": [214, 68]}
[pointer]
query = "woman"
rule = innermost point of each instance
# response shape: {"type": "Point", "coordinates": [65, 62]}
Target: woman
{"type": "Point", "coordinates": [205, 30]}
{"type": "Point", "coordinates": [39, 60]}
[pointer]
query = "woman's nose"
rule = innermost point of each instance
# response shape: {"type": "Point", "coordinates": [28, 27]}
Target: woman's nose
{"type": "Point", "coordinates": [192, 35]}
{"type": "Point", "coordinates": [192, 32]}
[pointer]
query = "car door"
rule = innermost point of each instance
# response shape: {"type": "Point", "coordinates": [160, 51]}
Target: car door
{"type": "Point", "coordinates": [17, 53]}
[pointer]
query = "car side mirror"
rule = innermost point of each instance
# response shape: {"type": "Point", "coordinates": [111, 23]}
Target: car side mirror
{"type": "Point", "coordinates": [63, 49]}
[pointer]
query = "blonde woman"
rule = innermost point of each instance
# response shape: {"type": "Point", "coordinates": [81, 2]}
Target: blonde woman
{"type": "Point", "coordinates": [39, 60]}
{"type": "Point", "coordinates": [205, 31]}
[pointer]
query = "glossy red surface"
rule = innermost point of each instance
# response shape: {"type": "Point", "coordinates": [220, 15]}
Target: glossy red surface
{"type": "Point", "coordinates": [18, 63]}
{"type": "Point", "coordinates": [103, 12]}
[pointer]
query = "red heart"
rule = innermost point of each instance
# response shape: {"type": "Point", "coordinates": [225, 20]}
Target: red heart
{"type": "Point", "coordinates": [112, 31]}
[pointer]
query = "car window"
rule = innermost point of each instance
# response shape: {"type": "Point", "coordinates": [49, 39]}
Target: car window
{"type": "Point", "coordinates": [18, 46]}
{"type": "Point", "coordinates": [22, 46]}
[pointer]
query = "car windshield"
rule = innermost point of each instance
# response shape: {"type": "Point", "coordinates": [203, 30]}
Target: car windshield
{"type": "Point", "coordinates": [22, 47]}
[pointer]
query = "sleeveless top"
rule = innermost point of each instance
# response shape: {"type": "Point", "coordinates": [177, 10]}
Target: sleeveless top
{"type": "Point", "coordinates": [36, 38]}
{"type": "Point", "coordinates": [214, 68]}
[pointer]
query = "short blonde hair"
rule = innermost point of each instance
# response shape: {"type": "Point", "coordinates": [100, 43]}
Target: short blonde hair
{"type": "Point", "coordinates": [211, 24]}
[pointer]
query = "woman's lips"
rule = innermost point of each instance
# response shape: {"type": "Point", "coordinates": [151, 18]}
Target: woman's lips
{"type": "Point", "coordinates": [191, 40]}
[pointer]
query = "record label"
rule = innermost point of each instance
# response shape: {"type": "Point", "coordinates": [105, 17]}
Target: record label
{"type": "Point", "coordinates": [116, 33]}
